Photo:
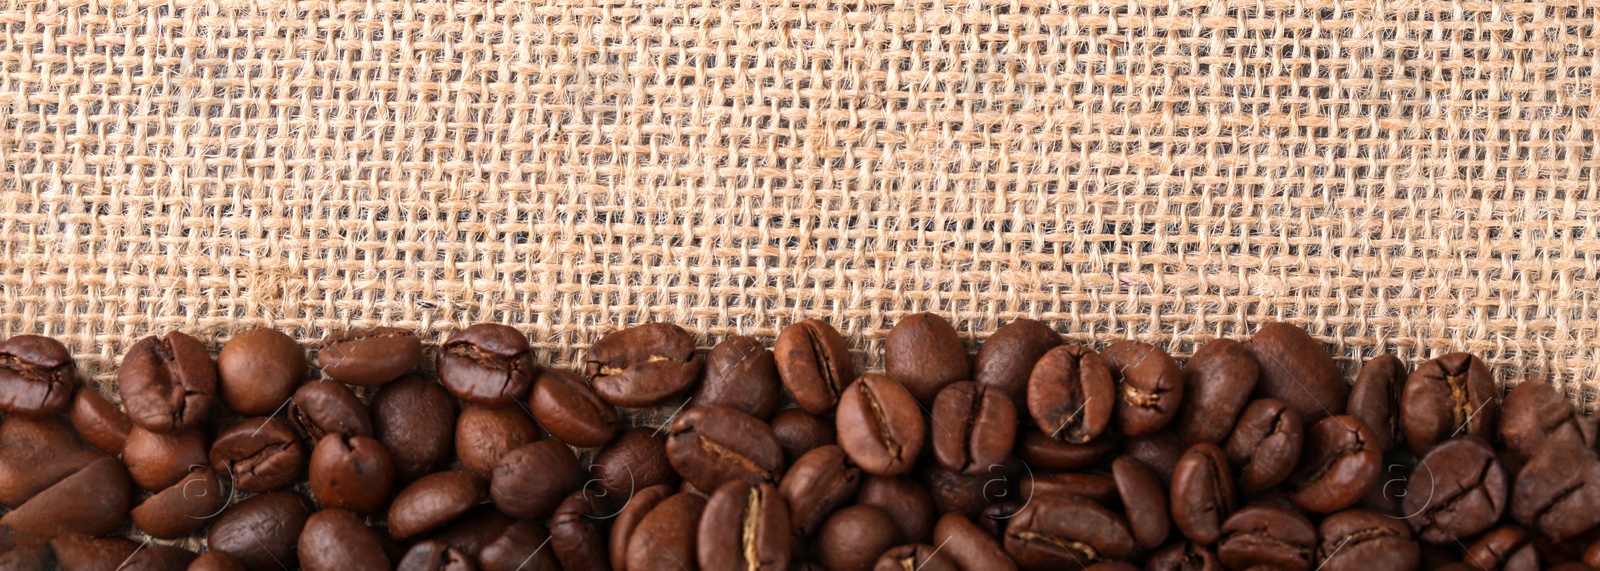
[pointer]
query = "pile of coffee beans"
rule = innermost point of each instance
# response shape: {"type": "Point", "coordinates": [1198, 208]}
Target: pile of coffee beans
{"type": "Point", "coordinates": [1032, 454]}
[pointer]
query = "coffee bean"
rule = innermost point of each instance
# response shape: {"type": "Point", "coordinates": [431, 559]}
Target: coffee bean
{"type": "Point", "coordinates": [710, 445]}
{"type": "Point", "coordinates": [799, 433]}
{"type": "Point", "coordinates": [1453, 395]}
{"type": "Point", "coordinates": [1368, 541]}
{"type": "Point", "coordinates": [99, 422]}
{"type": "Point", "coordinates": [259, 454]}
{"type": "Point", "coordinates": [37, 376]}
{"type": "Point", "coordinates": [433, 501]}
{"type": "Point", "coordinates": [1099, 488]}
{"type": "Point", "coordinates": [973, 428]}
{"type": "Point", "coordinates": [1297, 370]}
{"type": "Point", "coordinates": [1375, 400]}
{"type": "Point", "coordinates": [353, 473]}
{"type": "Point", "coordinates": [473, 530]}
{"type": "Point", "coordinates": [634, 461]}
{"type": "Point", "coordinates": [1457, 491]}
{"type": "Point", "coordinates": [968, 546]}
{"type": "Point", "coordinates": [183, 508]}
{"type": "Point", "coordinates": [576, 538]}
{"type": "Point", "coordinates": [643, 365]}
{"type": "Point", "coordinates": [924, 353]}
{"type": "Point", "coordinates": [531, 481]}
{"type": "Point", "coordinates": [1066, 532]}
{"type": "Point", "coordinates": [906, 500]}
{"type": "Point", "coordinates": [215, 561]}
{"type": "Point", "coordinates": [1042, 452]}
{"type": "Point", "coordinates": [1149, 386]}
{"type": "Point", "coordinates": [1006, 359]}
{"type": "Point", "coordinates": [1265, 446]}
{"type": "Point", "coordinates": [741, 374]}
{"type": "Point", "coordinates": [24, 552]}
{"type": "Point", "coordinates": [1185, 556]}
{"type": "Point", "coordinates": [435, 556]}
{"type": "Point", "coordinates": [35, 453]}
{"type": "Point", "coordinates": [521, 547]}
{"type": "Point", "coordinates": [1339, 465]}
{"type": "Point", "coordinates": [167, 383]}
{"type": "Point", "coordinates": [628, 519]}
{"type": "Point", "coordinates": [1218, 381]}
{"type": "Point", "coordinates": [326, 407]}
{"type": "Point", "coordinates": [1071, 395]}
{"type": "Point", "coordinates": [414, 418]}
{"type": "Point", "coordinates": [257, 370]}
{"type": "Point", "coordinates": [262, 532]}
{"type": "Point", "coordinates": [487, 364]}
{"type": "Point", "coordinates": [369, 357]}
{"type": "Point", "coordinates": [94, 500]}
{"type": "Point", "coordinates": [853, 538]}
{"type": "Point", "coordinates": [571, 411]}
{"type": "Point", "coordinates": [1202, 493]}
{"type": "Point", "coordinates": [813, 364]}
{"type": "Point", "coordinates": [1531, 413]}
{"type": "Point", "coordinates": [1144, 499]}
{"type": "Point", "coordinates": [1272, 536]}
{"type": "Point", "coordinates": [880, 425]}
{"type": "Point", "coordinates": [1591, 556]}
{"type": "Point", "coordinates": [665, 538]}
{"type": "Point", "coordinates": [336, 540]}
{"type": "Point", "coordinates": [79, 552]}
{"type": "Point", "coordinates": [817, 484]}
{"type": "Point", "coordinates": [1508, 546]}
{"type": "Point", "coordinates": [915, 556]}
{"type": "Point", "coordinates": [157, 461]}
{"type": "Point", "coordinates": [485, 434]}
{"type": "Point", "coordinates": [1160, 451]}
{"type": "Point", "coordinates": [744, 527]}
{"type": "Point", "coordinates": [1555, 493]}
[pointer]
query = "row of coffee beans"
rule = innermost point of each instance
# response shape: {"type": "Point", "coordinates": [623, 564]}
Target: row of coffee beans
{"type": "Point", "coordinates": [1032, 454]}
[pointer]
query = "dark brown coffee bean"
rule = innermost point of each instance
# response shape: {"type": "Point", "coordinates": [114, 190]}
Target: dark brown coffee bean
{"type": "Point", "coordinates": [353, 473]}
{"type": "Point", "coordinates": [665, 538]}
{"type": "Point", "coordinates": [1160, 451]}
{"type": "Point", "coordinates": [326, 407]}
{"type": "Point", "coordinates": [257, 370]}
{"type": "Point", "coordinates": [919, 557]}
{"type": "Point", "coordinates": [1272, 536]}
{"type": "Point", "coordinates": [1458, 490]}
{"type": "Point", "coordinates": [814, 364]}
{"type": "Point", "coordinates": [744, 527]}
{"type": "Point", "coordinates": [336, 540]}
{"type": "Point", "coordinates": [24, 552]}
{"type": "Point", "coordinates": [531, 481]}
{"type": "Point", "coordinates": [37, 376]}
{"type": "Point", "coordinates": [969, 547]}
{"type": "Point", "coordinates": [1006, 359]}
{"type": "Point", "coordinates": [183, 508]}
{"type": "Point", "coordinates": [1555, 492]}
{"type": "Point", "coordinates": [1375, 400]}
{"type": "Point", "coordinates": [799, 432]}
{"type": "Point", "coordinates": [435, 556]}
{"type": "Point", "coordinates": [262, 532]}
{"type": "Point", "coordinates": [571, 411]}
{"type": "Point", "coordinates": [35, 453]}
{"type": "Point", "coordinates": [1453, 395]}
{"type": "Point", "coordinates": [1071, 395]}
{"type": "Point", "coordinates": [1185, 556]}
{"type": "Point", "coordinates": [415, 419]}
{"type": "Point", "coordinates": [1066, 532]}
{"type": "Point", "coordinates": [1149, 386]}
{"type": "Point", "coordinates": [167, 383]}
{"type": "Point", "coordinates": [1531, 413]}
{"type": "Point", "coordinates": [1099, 488]}
{"type": "Point", "coordinates": [880, 425]}
{"type": "Point", "coordinates": [575, 534]}
{"type": "Point", "coordinates": [1591, 556]}
{"type": "Point", "coordinates": [485, 434]}
{"type": "Point", "coordinates": [817, 484]}
{"type": "Point", "coordinates": [628, 519]}
{"type": "Point", "coordinates": [973, 428]}
{"type": "Point", "coordinates": [1508, 546]}
{"type": "Point", "coordinates": [1144, 499]}
{"type": "Point", "coordinates": [1265, 446]}
{"type": "Point", "coordinates": [471, 531]}
{"type": "Point", "coordinates": [93, 500]}
{"type": "Point", "coordinates": [157, 461]}
{"type": "Point", "coordinates": [1366, 540]}
{"type": "Point", "coordinates": [906, 500]}
{"type": "Point", "coordinates": [487, 364]}
{"type": "Point", "coordinates": [924, 353]}
{"type": "Point", "coordinates": [1297, 370]}
{"type": "Point", "coordinates": [1044, 453]}
{"type": "Point", "coordinates": [634, 461]}
{"type": "Point", "coordinates": [259, 454]}
{"type": "Point", "coordinates": [1339, 465]}
{"type": "Point", "coordinates": [99, 422]}
{"type": "Point", "coordinates": [643, 365]}
{"type": "Point", "coordinates": [1202, 493]}
{"type": "Point", "coordinates": [77, 552]}
{"type": "Point", "coordinates": [432, 501]}
{"type": "Point", "coordinates": [215, 561]}
{"type": "Point", "coordinates": [523, 546]}
{"type": "Point", "coordinates": [369, 357]}
{"type": "Point", "coordinates": [741, 374]}
{"type": "Point", "coordinates": [710, 445]}
{"type": "Point", "coordinates": [853, 538]}
{"type": "Point", "coordinates": [1218, 381]}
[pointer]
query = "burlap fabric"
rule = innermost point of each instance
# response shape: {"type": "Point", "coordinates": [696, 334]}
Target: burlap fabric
{"type": "Point", "coordinates": [1410, 177]}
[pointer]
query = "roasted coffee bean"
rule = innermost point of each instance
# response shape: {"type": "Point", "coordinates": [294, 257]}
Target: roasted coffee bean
{"type": "Point", "coordinates": [1160, 451]}
{"type": "Point", "coordinates": [1368, 541]}
{"type": "Point", "coordinates": [353, 473]}
{"type": "Point", "coordinates": [257, 370]}
{"type": "Point", "coordinates": [813, 364]}
{"type": "Point", "coordinates": [369, 357]}
{"type": "Point", "coordinates": [473, 530]}
{"type": "Point", "coordinates": [414, 418]}
{"type": "Point", "coordinates": [326, 407]}
{"type": "Point", "coordinates": [880, 425]}
{"type": "Point", "coordinates": [1457, 491]}
{"type": "Point", "coordinates": [1202, 493]}
{"type": "Point", "coordinates": [906, 500]}
{"type": "Point", "coordinates": [744, 527]}
{"type": "Point", "coordinates": [643, 365]}
{"type": "Point", "coordinates": [37, 376]}
{"type": "Point", "coordinates": [1071, 395]}
{"type": "Point", "coordinates": [1508, 547]}
{"type": "Point", "coordinates": [487, 364]}
{"type": "Point", "coordinates": [183, 508]}
{"type": "Point", "coordinates": [1044, 453]}
{"type": "Point", "coordinates": [157, 461]}
{"type": "Point", "coordinates": [1450, 396]}
{"type": "Point", "coordinates": [576, 537]}
{"type": "Point", "coordinates": [1149, 386]}
{"type": "Point", "coordinates": [24, 552]}
{"type": "Point", "coordinates": [336, 540]}
{"type": "Point", "coordinates": [262, 532]}
{"type": "Point", "coordinates": [78, 552]}
{"type": "Point", "coordinates": [433, 501]}
{"type": "Point", "coordinates": [571, 411]}
{"type": "Point", "coordinates": [1006, 359]}
{"type": "Point", "coordinates": [1218, 381]}
{"type": "Point", "coordinates": [1591, 556]}
{"type": "Point", "coordinates": [215, 561]}
{"type": "Point", "coordinates": [1555, 492]}
{"type": "Point", "coordinates": [741, 374]}
{"type": "Point", "coordinates": [633, 461]}
{"type": "Point", "coordinates": [35, 453]}
{"type": "Point", "coordinates": [1271, 536]}
{"type": "Point", "coordinates": [1531, 413]}
{"type": "Point", "coordinates": [1099, 488]}
{"type": "Point", "coordinates": [817, 484]}
{"type": "Point", "coordinates": [531, 481]}
{"type": "Point", "coordinates": [167, 383]}
{"type": "Point", "coordinates": [1375, 400]}
{"type": "Point", "coordinates": [799, 432]}
{"type": "Point", "coordinates": [259, 454]}
{"type": "Point", "coordinates": [94, 500]}
{"type": "Point", "coordinates": [710, 445]}
{"type": "Point", "coordinates": [520, 548]}
{"type": "Point", "coordinates": [435, 556]}
{"type": "Point", "coordinates": [665, 538]}
{"type": "Point", "coordinates": [919, 557]}
{"type": "Point", "coordinates": [1265, 445]}
{"type": "Point", "coordinates": [963, 494]}
{"type": "Point", "coordinates": [924, 353]}
{"type": "Point", "coordinates": [853, 538]}
{"type": "Point", "coordinates": [1297, 370]}
{"type": "Point", "coordinates": [969, 547]}
{"type": "Point", "coordinates": [99, 422]}
{"type": "Point", "coordinates": [1184, 556]}
{"type": "Point", "coordinates": [1066, 532]}
{"type": "Point", "coordinates": [485, 434]}
{"type": "Point", "coordinates": [628, 519]}
{"type": "Point", "coordinates": [1144, 500]}
{"type": "Point", "coordinates": [1339, 465]}
{"type": "Point", "coordinates": [973, 428]}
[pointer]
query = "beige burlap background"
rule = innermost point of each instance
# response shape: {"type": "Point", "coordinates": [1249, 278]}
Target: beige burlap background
{"type": "Point", "coordinates": [1403, 176]}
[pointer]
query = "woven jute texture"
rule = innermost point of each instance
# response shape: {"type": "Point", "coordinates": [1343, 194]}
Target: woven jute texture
{"type": "Point", "coordinates": [1407, 176]}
